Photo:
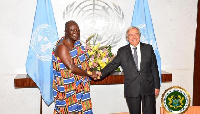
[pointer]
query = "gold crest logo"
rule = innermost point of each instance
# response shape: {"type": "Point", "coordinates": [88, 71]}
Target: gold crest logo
{"type": "Point", "coordinates": [175, 100]}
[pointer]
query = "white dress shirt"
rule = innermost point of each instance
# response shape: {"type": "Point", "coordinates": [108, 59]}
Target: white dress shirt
{"type": "Point", "coordinates": [138, 54]}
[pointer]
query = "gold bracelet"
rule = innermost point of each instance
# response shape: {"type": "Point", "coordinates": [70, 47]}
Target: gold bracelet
{"type": "Point", "coordinates": [89, 72]}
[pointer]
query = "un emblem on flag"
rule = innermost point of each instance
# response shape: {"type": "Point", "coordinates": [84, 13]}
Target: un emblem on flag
{"type": "Point", "coordinates": [146, 35]}
{"type": "Point", "coordinates": [42, 41]}
{"type": "Point", "coordinates": [175, 100]}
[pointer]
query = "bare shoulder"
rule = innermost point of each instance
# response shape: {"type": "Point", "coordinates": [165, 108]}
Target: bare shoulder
{"type": "Point", "coordinates": [61, 48]}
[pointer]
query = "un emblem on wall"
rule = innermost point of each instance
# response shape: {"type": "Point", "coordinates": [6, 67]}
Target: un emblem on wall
{"type": "Point", "coordinates": [104, 19]}
{"type": "Point", "coordinates": [175, 100]}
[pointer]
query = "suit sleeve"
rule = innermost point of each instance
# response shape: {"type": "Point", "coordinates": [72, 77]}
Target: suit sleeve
{"type": "Point", "coordinates": [154, 68]}
{"type": "Point", "coordinates": [110, 67]}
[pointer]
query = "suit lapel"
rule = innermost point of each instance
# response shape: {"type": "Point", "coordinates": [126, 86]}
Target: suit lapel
{"type": "Point", "coordinates": [142, 50]}
{"type": "Point", "coordinates": [130, 56]}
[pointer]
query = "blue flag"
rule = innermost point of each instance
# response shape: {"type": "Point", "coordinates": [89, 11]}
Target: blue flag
{"type": "Point", "coordinates": [43, 38]}
{"type": "Point", "coordinates": [142, 19]}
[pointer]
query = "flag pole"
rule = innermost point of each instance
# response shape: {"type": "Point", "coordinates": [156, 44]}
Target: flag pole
{"type": "Point", "coordinates": [40, 104]}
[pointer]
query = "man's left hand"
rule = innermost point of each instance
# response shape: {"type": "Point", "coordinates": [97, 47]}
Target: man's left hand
{"type": "Point", "coordinates": [157, 92]}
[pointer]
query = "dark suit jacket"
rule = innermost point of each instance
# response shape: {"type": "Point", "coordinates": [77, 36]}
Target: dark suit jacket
{"type": "Point", "coordinates": [145, 80]}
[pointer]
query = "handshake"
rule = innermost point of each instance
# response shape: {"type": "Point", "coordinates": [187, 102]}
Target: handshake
{"type": "Point", "coordinates": [95, 75]}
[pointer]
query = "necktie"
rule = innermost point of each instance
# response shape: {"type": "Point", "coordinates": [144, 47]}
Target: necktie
{"type": "Point", "coordinates": [135, 56]}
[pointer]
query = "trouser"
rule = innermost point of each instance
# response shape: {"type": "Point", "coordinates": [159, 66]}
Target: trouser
{"type": "Point", "coordinates": [148, 104]}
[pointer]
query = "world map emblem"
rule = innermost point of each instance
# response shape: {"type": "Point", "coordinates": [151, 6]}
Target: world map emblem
{"type": "Point", "coordinates": [42, 41]}
{"type": "Point", "coordinates": [147, 36]}
{"type": "Point", "coordinates": [175, 100]}
{"type": "Point", "coordinates": [99, 17]}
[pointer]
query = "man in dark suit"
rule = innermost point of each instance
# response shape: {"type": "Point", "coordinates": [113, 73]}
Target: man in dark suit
{"type": "Point", "coordinates": [141, 77]}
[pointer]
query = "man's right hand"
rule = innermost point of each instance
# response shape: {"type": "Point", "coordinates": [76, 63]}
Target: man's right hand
{"type": "Point", "coordinates": [96, 75]}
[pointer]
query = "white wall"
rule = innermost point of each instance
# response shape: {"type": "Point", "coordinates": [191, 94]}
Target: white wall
{"type": "Point", "coordinates": [174, 24]}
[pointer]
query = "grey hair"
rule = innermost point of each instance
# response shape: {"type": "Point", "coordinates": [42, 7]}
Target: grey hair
{"type": "Point", "coordinates": [132, 27]}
